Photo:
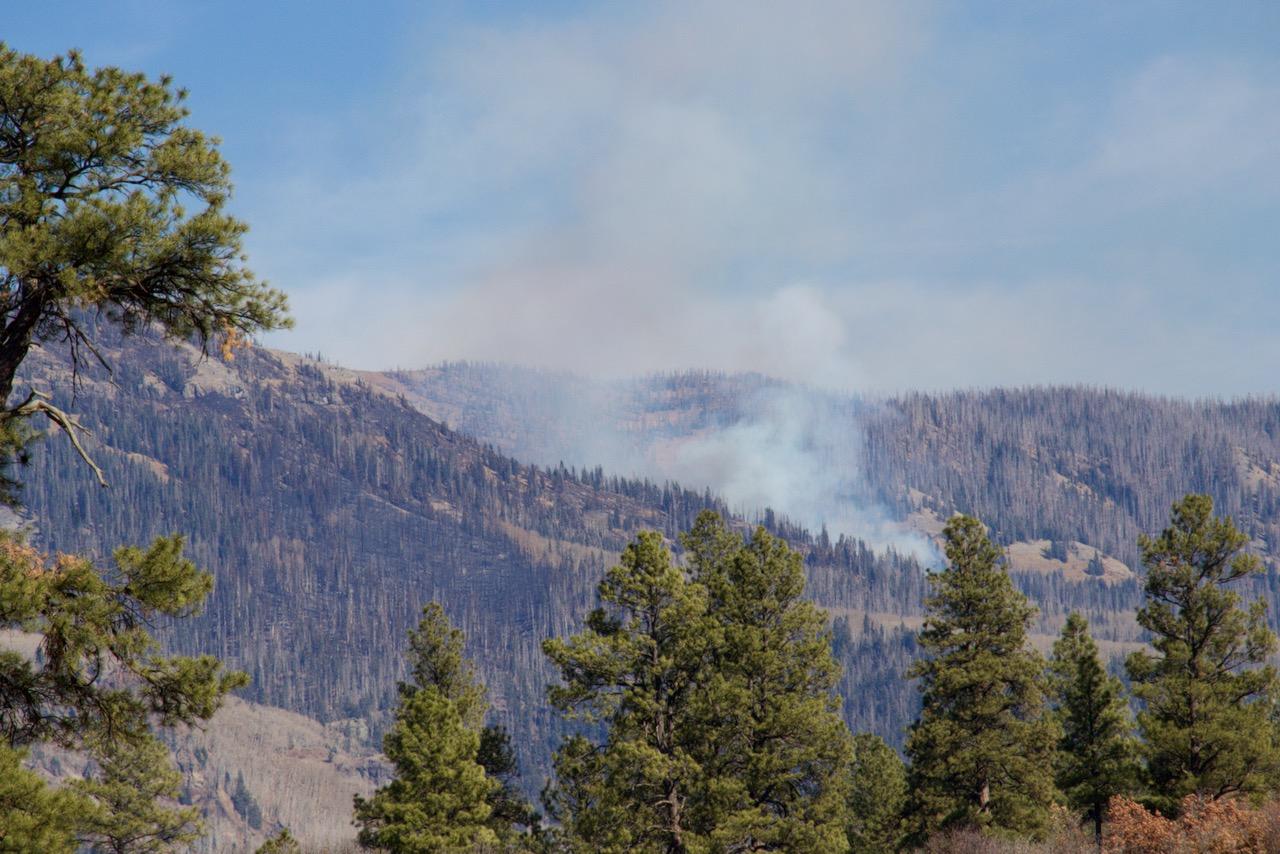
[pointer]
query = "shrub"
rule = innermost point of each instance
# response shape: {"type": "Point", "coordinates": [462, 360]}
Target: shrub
{"type": "Point", "coordinates": [1204, 826]}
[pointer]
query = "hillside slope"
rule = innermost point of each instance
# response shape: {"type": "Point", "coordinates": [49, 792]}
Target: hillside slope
{"type": "Point", "coordinates": [1095, 467]}
{"type": "Point", "coordinates": [330, 511]}
{"type": "Point", "coordinates": [1037, 462]}
{"type": "Point", "coordinates": [332, 504]}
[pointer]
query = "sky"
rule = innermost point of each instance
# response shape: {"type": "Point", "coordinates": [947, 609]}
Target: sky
{"type": "Point", "coordinates": [868, 196]}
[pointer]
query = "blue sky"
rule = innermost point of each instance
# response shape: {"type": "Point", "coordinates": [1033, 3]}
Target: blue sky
{"type": "Point", "coordinates": [877, 195]}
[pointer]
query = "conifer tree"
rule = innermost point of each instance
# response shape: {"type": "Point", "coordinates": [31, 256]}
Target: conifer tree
{"type": "Point", "coordinates": [437, 659]}
{"type": "Point", "coordinates": [633, 670]}
{"type": "Point", "coordinates": [282, 843]}
{"type": "Point", "coordinates": [128, 793]}
{"type": "Point", "coordinates": [775, 750]}
{"type": "Point", "coordinates": [714, 688]}
{"type": "Point", "coordinates": [245, 804]}
{"type": "Point", "coordinates": [1097, 754]}
{"type": "Point", "coordinates": [877, 797]}
{"type": "Point", "coordinates": [91, 622]}
{"type": "Point", "coordinates": [1208, 695]}
{"type": "Point", "coordinates": [33, 815]}
{"type": "Point", "coordinates": [981, 752]}
{"type": "Point", "coordinates": [440, 799]}
{"type": "Point", "coordinates": [111, 206]}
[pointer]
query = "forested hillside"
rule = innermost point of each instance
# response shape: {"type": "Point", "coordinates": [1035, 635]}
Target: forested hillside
{"type": "Point", "coordinates": [331, 509]}
{"type": "Point", "coordinates": [1077, 463]}
{"type": "Point", "coordinates": [330, 512]}
{"type": "Point", "coordinates": [1070, 463]}
{"type": "Point", "coordinates": [1047, 467]}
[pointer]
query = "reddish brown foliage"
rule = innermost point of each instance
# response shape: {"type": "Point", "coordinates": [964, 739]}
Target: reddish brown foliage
{"type": "Point", "coordinates": [1204, 827]}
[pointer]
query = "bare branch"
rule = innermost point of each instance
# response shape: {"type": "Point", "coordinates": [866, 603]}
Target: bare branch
{"type": "Point", "coordinates": [38, 403]}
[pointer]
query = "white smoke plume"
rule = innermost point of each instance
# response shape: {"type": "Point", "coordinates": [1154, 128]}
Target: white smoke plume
{"type": "Point", "coordinates": [800, 453]}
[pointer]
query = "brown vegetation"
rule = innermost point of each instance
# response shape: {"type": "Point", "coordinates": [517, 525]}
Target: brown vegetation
{"type": "Point", "coordinates": [1204, 826]}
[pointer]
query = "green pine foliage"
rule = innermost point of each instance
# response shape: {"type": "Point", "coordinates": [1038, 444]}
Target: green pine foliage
{"type": "Point", "coordinates": [775, 750]}
{"type": "Point", "coordinates": [92, 622]}
{"type": "Point", "coordinates": [108, 199]}
{"type": "Point", "coordinates": [438, 801]}
{"type": "Point", "coordinates": [33, 815]}
{"type": "Point", "coordinates": [437, 659]}
{"type": "Point", "coordinates": [713, 691]}
{"type": "Point", "coordinates": [282, 843]}
{"type": "Point", "coordinates": [1097, 754]}
{"type": "Point", "coordinates": [97, 174]}
{"type": "Point", "coordinates": [110, 205]}
{"type": "Point", "coordinates": [633, 669]}
{"type": "Point", "coordinates": [133, 791]}
{"type": "Point", "coordinates": [877, 797]}
{"type": "Point", "coordinates": [456, 784]}
{"type": "Point", "coordinates": [1209, 697]}
{"type": "Point", "coordinates": [982, 751]}
{"type": "Point", "coordinates": [99, 681]}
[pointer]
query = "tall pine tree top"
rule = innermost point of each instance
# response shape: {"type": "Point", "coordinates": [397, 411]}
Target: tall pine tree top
{"type": "Point", "coordinates": [1209, 697]}
{"type": "Point", "coordinates": [634, 668]}
{"type": "Point", "coordinates": [441, 798]}
{"type": "Point", "coordinates": [777, 752]}
{"type": "Point", "coordinates": [437, 659]}
{"type": "Point", "coordinates": [721, 728]}
{"type": "Point", "coordinates": [1097, 755]}
{"type": "Point", "coordinates": [111, 207]}
{"type": "Point", "coordinates": [981, 752]}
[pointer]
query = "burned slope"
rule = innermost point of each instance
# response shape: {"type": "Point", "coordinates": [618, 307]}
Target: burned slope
{"type": "Point", "coordinates": [330, 511]}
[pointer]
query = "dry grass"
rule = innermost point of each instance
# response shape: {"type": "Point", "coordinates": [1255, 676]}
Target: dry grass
{"type": "Point", "coordinates": [1067, 836]}
{"type": "Point", "coordinates": [1030, 557]}
{"type": "Point", "coordinates": [302, 774]}
{"type": "Point", "coordinates": [1203, 827]}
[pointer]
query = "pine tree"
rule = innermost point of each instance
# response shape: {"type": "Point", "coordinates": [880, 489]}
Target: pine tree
{"type": "Point", "coordinates": [1208, 695]}
{"type": "Point", "coordinates": [110, 207]}
{"type": "Point", "coordinates": [439, 799]}
{"type": "Point", "coordinates": [33, 815]}
{"type": "Point", "coordinates": [633, 670]}
{"type": "Point", "coordinates": [1096, 568]}
{"type": "Point", "coordinates": [90, 625]}
{"type": "Point", "coordinates": [877, 797]}
{"type": "Point", "coordinates": [1097, 756]}
{"type": "Point", "coordinates": [981, 752]}
{"type": "Point", "coordinates": [714, 690]}
{"type": "Point", "coordinates": [775, 750]}
{"type": "Point", "coordinates": [508, 807]}
{"type": "Point", "coordinates": [128, 792]}
{"type": "Point", "coordinates": [437, 658]}
{"type": "Point", "coordinates": [282, 843]}
{"type": "Point", "coordinates": [245, 804]}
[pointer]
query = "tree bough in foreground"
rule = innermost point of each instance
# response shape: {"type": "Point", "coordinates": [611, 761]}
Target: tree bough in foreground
{"type": "Point", "coordinates": [110, 206]}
